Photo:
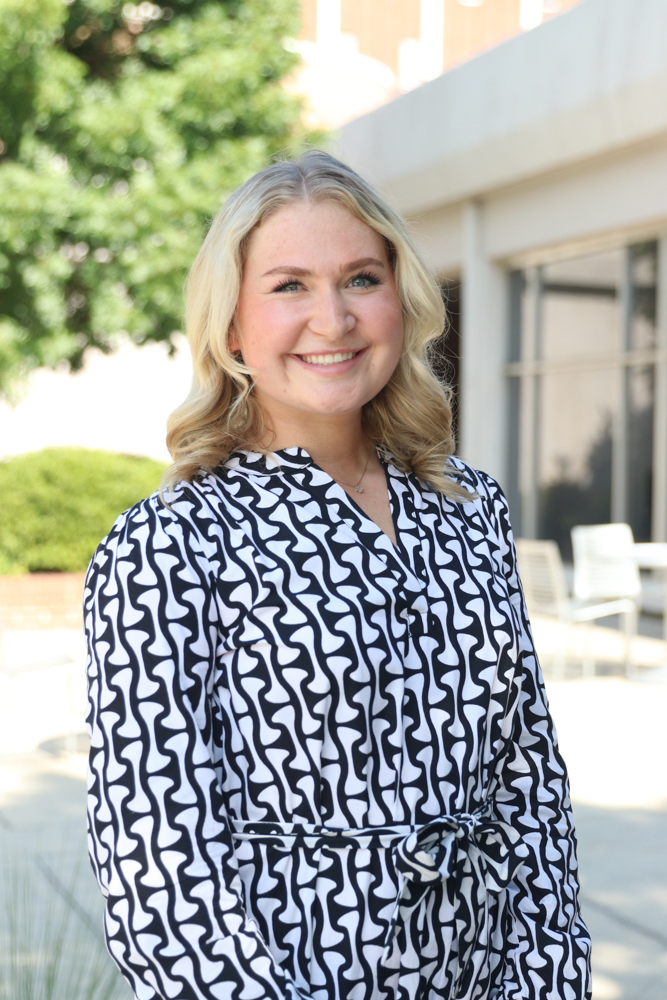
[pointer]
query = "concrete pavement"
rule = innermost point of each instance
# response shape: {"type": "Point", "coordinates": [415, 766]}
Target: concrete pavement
{"type": "Point", "coordinates": [613, 736]}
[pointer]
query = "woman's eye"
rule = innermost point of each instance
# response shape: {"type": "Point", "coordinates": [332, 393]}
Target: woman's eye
{"type": "Point", "coordinates": [288, 286]}
{"type": "Point", "coordinates": [364, 281]}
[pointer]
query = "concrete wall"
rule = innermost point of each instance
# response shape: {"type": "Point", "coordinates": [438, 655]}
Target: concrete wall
{"type": "Point", "coordinates": [617, 197]}
{"type": "Point", "coordinates": [552, 144]}
{"type": "Point", "coordinates": [589, 82]}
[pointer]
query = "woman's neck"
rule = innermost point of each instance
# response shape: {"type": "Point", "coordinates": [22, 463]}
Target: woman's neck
{"type": "Point", "coordinates": [333, 442]}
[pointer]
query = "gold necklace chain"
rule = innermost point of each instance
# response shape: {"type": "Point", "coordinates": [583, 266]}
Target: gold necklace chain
{"type": "Point", "coordinates": [358, 488]}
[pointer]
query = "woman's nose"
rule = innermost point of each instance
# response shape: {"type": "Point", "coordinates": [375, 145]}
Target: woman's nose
{"type": "Point", "coordinates": [331, 318]}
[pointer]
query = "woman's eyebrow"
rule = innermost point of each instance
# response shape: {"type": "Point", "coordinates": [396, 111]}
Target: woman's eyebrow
{"type": "Point", "coordinates": [303, 272]}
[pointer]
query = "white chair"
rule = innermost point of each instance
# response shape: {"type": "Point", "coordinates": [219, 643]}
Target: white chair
{"type": "Point", "coordinates": [543, 578]}
{"type": "Point", "coordinates": [605, 569]}
{"type": "Point", "coordinates": [545, 589]}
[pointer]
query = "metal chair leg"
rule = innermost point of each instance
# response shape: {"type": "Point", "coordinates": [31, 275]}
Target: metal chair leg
{"type": "Point", "coordinates": [560, 656]}
{"type": "Point", "coordinates": [588, 663]}
{"type": "Point", "coordinates": [630, 633]}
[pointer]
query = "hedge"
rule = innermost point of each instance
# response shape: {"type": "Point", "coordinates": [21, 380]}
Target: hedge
{"type": "Point", "coordinates": [57, 504]}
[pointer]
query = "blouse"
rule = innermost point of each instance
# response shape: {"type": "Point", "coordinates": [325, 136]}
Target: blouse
{"type": "Point", "coordinates": [322, 766]}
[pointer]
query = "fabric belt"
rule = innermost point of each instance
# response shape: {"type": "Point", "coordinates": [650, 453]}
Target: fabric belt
{"type": "Point", "coordinates": [450, 847]}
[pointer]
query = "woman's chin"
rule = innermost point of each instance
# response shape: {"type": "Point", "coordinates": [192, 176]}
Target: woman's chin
{"type": "Point", "coordinates": [329, 412]}
{"type": "Point", "coordinates": [318, 405]}
{"type": "Point", "coordinates": [324, 406]}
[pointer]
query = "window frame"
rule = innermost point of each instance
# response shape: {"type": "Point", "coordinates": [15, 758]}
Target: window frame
{"type": "Point", "coordinates": [523, 374]}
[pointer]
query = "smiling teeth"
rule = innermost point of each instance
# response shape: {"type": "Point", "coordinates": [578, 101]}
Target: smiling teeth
{"type": "Point", "coordinates": [328, 359]}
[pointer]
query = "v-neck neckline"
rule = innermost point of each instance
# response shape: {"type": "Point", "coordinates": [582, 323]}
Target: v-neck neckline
{"type": "Point", "coordinates": [396, 547]}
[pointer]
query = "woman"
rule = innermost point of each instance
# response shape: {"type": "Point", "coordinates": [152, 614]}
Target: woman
{"type": "Point", "coordinates": [322, 763]}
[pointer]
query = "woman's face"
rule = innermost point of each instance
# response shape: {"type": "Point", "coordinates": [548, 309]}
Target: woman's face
{"type": "Point", "coordinates": [318, 318]}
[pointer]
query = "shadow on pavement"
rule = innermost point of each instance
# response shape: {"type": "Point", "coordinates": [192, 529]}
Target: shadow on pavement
{"type": "Point", "coordinates": [623, 868]}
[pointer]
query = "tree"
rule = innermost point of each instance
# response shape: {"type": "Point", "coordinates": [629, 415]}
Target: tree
{"type": "Point", "coordinates": [121, 130]}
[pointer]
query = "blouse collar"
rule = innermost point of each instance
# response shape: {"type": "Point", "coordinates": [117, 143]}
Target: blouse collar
{"type": "Point", "coordinates": [285, 460]}
{"type": "Point", "coordinates": [274, 462]}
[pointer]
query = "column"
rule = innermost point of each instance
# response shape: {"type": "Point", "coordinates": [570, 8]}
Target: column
{"type": "Point", "coordinates": [531, 14]}
{"type": "Point", "coordinates": [659, 526]}
{"type": "Point", "coordinates": [619, 457]}
{"type": "Point", "coordinates": [422, 59]}
{"type": "Point", "coordinates": [432, 38]}
{"type": "Point", "coordinates": [328, 22]}
{"type": "Point", "coordinates": [483, 405]}
{"type": "Point", "coordinates": [528, 429]}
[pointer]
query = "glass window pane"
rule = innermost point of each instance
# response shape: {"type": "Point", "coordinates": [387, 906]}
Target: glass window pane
{"type": "Point", "coordinates": [640, 382]}
{"type": "Point", "coordinates": [529, 309]}
{"type": "Point", "coordinates": [584, 417]}
{"type": "Point", "coordinates": [643, 272]}
{"type": "Point", "coordinates": [517, 297]}
{"type": "Point", "coordinates": [513, 457]}
{"type": "Point", "coordinates": [576, 418]}
{"type": "Point", "coordinates": [581, 306]}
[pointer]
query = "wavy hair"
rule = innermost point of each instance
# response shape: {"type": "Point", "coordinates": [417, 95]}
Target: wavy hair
{"type": "Point", "coordinates": [410, 419]}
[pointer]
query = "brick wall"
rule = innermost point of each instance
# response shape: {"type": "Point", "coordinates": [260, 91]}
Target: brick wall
{"type": "Point", "coordinates": [380, 25]}
{"type": "Point", "coordinates": [41, 601]}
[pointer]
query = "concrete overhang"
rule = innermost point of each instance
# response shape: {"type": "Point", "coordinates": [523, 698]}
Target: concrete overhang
{"type": "Point", "coordinates": [589, 83]}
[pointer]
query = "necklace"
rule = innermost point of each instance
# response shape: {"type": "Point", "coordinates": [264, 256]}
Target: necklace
{"type": "Point", "coordinates": [359, 488]}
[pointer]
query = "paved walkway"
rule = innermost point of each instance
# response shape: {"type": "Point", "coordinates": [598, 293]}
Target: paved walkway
{"type": "Point", "coordinates": [612, 732]}
{"type": "Point", "coordinates": [613, 736]}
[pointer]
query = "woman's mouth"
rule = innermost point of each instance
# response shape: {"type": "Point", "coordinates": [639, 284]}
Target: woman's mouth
{"type": "Point", "coordinates": [329, 363]}
{"type": "Point", "coordinates": [328, 359]}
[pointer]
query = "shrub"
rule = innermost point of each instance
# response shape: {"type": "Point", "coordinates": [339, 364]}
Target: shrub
{"type": "Point", "coordinates": [57, 504]}
{"type": "Point", "coordinates": [51, 936]}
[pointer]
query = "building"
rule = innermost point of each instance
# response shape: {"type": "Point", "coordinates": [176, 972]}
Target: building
{"type": "Point", "coordinates": [535, 176]}
{"type": "Point", "coordinates": [358, 54]}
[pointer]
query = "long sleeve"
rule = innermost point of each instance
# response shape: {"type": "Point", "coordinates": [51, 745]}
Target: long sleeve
{"type": "Point", "coordinates": [159, 841]}
{"type": "Point", "coordinates": [547, 949]}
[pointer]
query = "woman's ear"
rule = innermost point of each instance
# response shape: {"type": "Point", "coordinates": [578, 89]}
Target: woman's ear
{"type": "Point", "coordinates": [234, 345]}
{"type": "Point", "coordinates": [233, 341]}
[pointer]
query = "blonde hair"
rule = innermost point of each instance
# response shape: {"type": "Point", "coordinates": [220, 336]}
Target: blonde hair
{"type": "Point", "coordinates": [410, 419]}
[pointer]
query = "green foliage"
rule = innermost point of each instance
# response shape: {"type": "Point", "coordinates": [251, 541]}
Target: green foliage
{"type": "Point", "coordinates": [51, 947]}
{"type": "Point", "coordinates": [122, 128]}
{"type": "Point", "coordinates": [59, 503]}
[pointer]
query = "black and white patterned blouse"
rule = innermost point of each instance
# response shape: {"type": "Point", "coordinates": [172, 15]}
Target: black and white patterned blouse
{"type": "Point", "coordinates": [323, 767]}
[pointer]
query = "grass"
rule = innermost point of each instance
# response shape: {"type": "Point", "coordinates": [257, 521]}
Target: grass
{"type": "Point", "coordinates": [51, 947]}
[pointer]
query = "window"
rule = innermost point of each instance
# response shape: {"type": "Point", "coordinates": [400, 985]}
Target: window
{"type": "Point", "coordinates": [583, 354]}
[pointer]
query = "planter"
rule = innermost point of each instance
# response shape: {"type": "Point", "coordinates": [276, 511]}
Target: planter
{"type": "Point", "coordinates": [42, 601]}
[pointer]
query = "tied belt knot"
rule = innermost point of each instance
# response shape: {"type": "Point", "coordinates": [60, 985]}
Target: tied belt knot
{"type": "Point", "coordinates": [449, 848]}
{"type": "Point", "coordinates": [475, 845]}
{"type": "Point", "coordinates": [437, 849]}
